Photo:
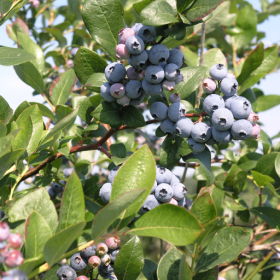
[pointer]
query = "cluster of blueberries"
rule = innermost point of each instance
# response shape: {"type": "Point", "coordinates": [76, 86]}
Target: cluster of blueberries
{"type": "Point", "coordinates": [101, 256]}
{"type": "Point", "coordinates": [55, 188]}
{"type": "Point", "coordinates": [9, 253]}
{"type": "Point", "coordinates": [152, 70]}
{"type": "Point", "coordinates": [166, 189]}
{"type": "Point", "coordinates": [231, 115]}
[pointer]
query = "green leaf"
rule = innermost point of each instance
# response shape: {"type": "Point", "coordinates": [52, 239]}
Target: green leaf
{"type": "Point", "coordinates": [118, 150]}
{"type": "Point", "coordinates": [62, 86]}
{"type": "Point", "coordinates": [193, 76]}
{"type": "Point", "coordinates": [95, 81]}
{"type": "Point", "coordinates": [211, 274]}
{"type": "Point", "coordinates": [201, 8]}
{"type": "Point", "coordinates": [3, 129]}
{"type": "Point", "coordinates": [226, 245]}
{"type": "Point", "coordinates": [12, 56]}
{"type": "Point", "coordinates": [85, 105]}
{"type": "Point", "coordinates": [29, 45]}
{"type": "Point", "coordinates": [177, 31]}
{"type": "Point", "coordinates": [140, 164]}
{"type": "Point", "coordinates": [37, 232]}
{"type": "Point", "coordinates": [45, 111]}
{"type": "Point", "coordinates": [38, 200]}
{"type": "Point", "coordinates": [191, 58]}
{"type": "Point", "coordinates": [252, 62]}
{"type": "Point", "coordinates": [106, 24]}
{"type": "Point", "coordinates": [168, 267]}
{"type": "Point", "coordinates": [204, 159]}
{"type": "Point", "coordinates": [266, 164]}
{"type": "Point", "coordinates": [204, 208]}
{"type": "Point", "coordinates": [269, 215]}
{"type": "Point", "coordinates": [29, 74]}
{"type": "Point", "coordinates": [168, 222]}
{"type": "Point", "coordinates": [130, 260]}
{"type": "Point", "coordinates": [51, 274]}
{"type": "Point", "coordinates": [247, 21]}
{"type": "Point", "coordinates": [267, 102]}
{"type": "Point", "coordinates": [58, 36]}
{"type": "Point", "coordinates": [87, 63]}
{"type": "Point", "coordinates": [213, 56]}
{"type": "Point", "coordinates": [269, 61]}
{"type": "Point", "coordinates": [261, 179]}
{"type": "Point", "coordinates": [184, 270]}
{"type": "Point", "coordinates": [69, 119]}
{"type": "Point", "coordinates": [108, 113]}
{"type": "Point", "coordinates": [8, 159]}
{"type": "Point", "coordinates": [5, 144]}
{"type": "Point", "coordinates": [139, 6]}
{"type": "Point", "coordinates": [59, 243]}
{"type": "Point", "coordinates": [235, 179]}
{"type": "Point", "coordinates": [132, 117]}
{"type": "Point", "coordinates": [6, 112]}
{"type": "Point", "coordinates": [158, 13]}
{"type": "Point", "coordinates": [249, 161]}
{"type": "Point", "coordinates": [31, 263]}
{"type": "Point", "coordinates": [277, 164]}
{"type": "Point", "coordinates": [172, 150]}
{"type": "Point", "coordinates": [72, 209]}
{"type": "Point", "coordinates": [150, 270]}
{"type": "Point", "coordinates": [107, 215]}
{"type": "Point", "coordinates": [182, 5]}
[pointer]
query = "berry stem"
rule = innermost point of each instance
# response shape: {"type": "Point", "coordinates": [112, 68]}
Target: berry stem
{"type": "Point", "coordinates": [103, 150]}
{"type": "Point", "coordinates": [18, 181]}
{"type": "Point", "coordinates": [161, 40]}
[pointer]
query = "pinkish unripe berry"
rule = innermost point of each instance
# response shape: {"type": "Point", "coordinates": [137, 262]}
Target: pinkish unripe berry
{"type": "Point", "coordinates": [124, 101]}
{"type": "Point", "coordinates": [15, 240]}
{"type": "Point", "coordinates": [101, 249]}
{"type": "Point", "coordinates": [70, 63]}
{"type": "Point", "coordinates": [132, 73]}
{"type": "Point", "coordinates": [168, 85]}
{"type": "Point", "coordinates": [124, 34]}
{"type": "Point", "coordinates": [4, 231]}
{"type": "Point", "coordinates": [121, 52]}
{"type": "Point", "coordinates": [179, 79]}
{"type": "Point", "coordinates": [256, 131]}
{"type": "Point", "coordinates": [221, 278]}
{"type": "Point", "coordinates": [106, 259]}
{"type": "Point", "coordinates": [209, 85]}
{"type": "Point", "coordinates": [142, 74]}
{"type": "Point", "coordinates": [173, 201]}
{"type": "Point", "coordinates": [231, 75]}
{"type": "Point", "coordinates": [14, 258]}
{"type": "Point", "coordinates": [82, 277]}
{"type": "Point", "coordinates": [174, 97]}
{"type": "Point", "coordinates": [253, 117]}
{"type": "Point", "coordinates": [94, 261]}
{"type": "Point", "coordinates": [113, 242]}
{"type": "Point", "coordinates": [117, 90]}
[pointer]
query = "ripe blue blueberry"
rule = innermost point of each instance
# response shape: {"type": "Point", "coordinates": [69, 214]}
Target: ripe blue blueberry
{"type": "Point", "coordinates": [222, 119]}
{"type": "Point", "coordinates": [168, 85]}
{"type": "Point", "coordinates": [151, 89]}
{"type": "Point", "coordinates": [240, 107]}
{"type": "Point", "coordinates": [147, 33]}
{"type": "Point", "coordinates": [176, 111]}
{"type": "Point", "coordinates": [134, 45]}
{"type": "Point", "coordinates": [66, 272]}
{"type": "Point", "coordinates": [222, 137]}
{"type": "Point", "coordinates": [105, 192]}
{"type": "Point", "coordinates": [134, 89]}
{"type": "Point", "coordinates": [163, 192]}
{"type": "Point", "coordinates": [213, 102]}
{"type": "Point", "coordinates": [211, 141]}
{"type": "Point", "coordinates": [228, 100]}
{"type": "Point", "coordinates": [179, 79]}
{"type": "Point", "coordinates": [154, 74]}
{"type": "Point", "coordinates": [154, 186]}
{"type": "Point", "coordinates": [179, 191]}
{"type": "Point", "coordinates": [140, 61]}
{"type": "Point", "coordinates": [195, 146]}
{"type": "Point", "coordinates": [57, 188]}
{"type": "Point", "coordinates": [201, 132]}
{"type": "Point", "coordinates": [113, 174]}
{"type": "Point", "coordinates": [168, 127]}
{"type": "Point", "coordinates": [138, 100]}
{"type": "Point", "coordinates": [174, 97]}
{"type": "Point", "coordinates": [88, 251]}
{"type": "Point", "coordinates": [218, 72]}
{"type": "Point", "coordinates": [113, 254]}
{"type": "Point", "coordinates": [15, 274]}
{"type": "Point", "coordinates": [229, 86]}
{"type": "Point", "coordinates": [77, 262]}
{"type": "Point", "coordinates": [107, 268]}
{"type": "Point", "coordinates": [164, 175]}
{"type": "Point", "coordinates": [176, 57]}
{"type": "Point", "coordinates": [175, 179]}
{"type": "Point", "coordinates": [102, 273]}
{"type": "Point", "coordinates": [163, 65]}
{"type": "Point", "coordinates": [106, 93]}
{"type": "Point", "coordinates": [171, 72]}
{"type": "Point", "coordinates": [158, 54]}
{"type": "Point", "coordinates": [241, 130]}
{"type": "Point", "coordinates": [115, 72]}
{"type": "Point", "coordinates": [159, 111]}
{"type": "Point", "coordinates": [136, 27]}
{"type": "Point", "coordinates": [184, 127]}
{"type": "Point", "coordinates": [150, 203]}
{"type": "Point", "coordinates": [68, 171]}
{"type": "Point", "coordinates": [74, 51]}
{"type": "Point", "coordinates": [51, 192]}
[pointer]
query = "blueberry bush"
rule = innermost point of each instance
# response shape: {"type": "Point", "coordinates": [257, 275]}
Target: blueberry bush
{"type": "Point", "coordinates": [137, 92]}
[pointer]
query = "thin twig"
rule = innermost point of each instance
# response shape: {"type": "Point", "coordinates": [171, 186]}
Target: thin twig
{"type": "Point", "coordinates": [104, 151]}
{"type": "Point", "coordinates": [185, 173]}
{"type": "Point", "coordinates": [161, 40]}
